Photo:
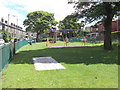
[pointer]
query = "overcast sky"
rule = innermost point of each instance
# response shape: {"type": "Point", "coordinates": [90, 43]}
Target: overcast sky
{"type": "Point", "coordinates": [20, 8]}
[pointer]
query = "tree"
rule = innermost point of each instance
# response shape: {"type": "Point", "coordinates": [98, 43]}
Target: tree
{"type": "Point", "coordinates": [104, 11]}
{"type": "Point", "coordinates": [6, 36]}
{"type": "Point", "coordinates": [39, 22]}
{"type": "Point", "coordinates": [69, 22]}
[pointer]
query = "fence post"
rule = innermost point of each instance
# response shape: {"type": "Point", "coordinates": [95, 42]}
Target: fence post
{"type": "Point", "coordinates": [14, 48]}
{"type": "Point", "coordinates": [15, 40]}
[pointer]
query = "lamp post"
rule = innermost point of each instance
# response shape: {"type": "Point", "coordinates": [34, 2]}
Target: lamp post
{"type": "Point", "coordinates": [8, 18]}
{"type": "Point", "coordinates": [13, 16]}
{"type": "Point", "coordinates": [16, 22]}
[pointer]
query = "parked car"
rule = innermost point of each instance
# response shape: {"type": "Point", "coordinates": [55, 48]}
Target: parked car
{"type": "Point", "coordinates": [2, 41]}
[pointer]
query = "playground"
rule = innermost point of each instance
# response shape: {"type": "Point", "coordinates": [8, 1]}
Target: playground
{"type": "Point", "coordinates": [86, 67]}
{"type": "Point", "coordinates": [50, 44]}
{"type": "Point", "coordinates": [69, 36]}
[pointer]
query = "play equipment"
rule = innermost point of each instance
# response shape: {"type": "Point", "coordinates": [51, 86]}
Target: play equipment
{"type": "Point", "coordinates": [47, 42]}
{"type": "Point", "coordinates": [66, 41]}
{"type": "Point", "coordinates": [73, 35]}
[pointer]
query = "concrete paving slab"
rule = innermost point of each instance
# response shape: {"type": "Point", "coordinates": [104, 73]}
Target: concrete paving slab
{"type": "Point", "coordinates": [46, 63]}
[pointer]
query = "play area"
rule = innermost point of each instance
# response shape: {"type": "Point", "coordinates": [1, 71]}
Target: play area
{"type": "Point", "coordinates": [70, 36]}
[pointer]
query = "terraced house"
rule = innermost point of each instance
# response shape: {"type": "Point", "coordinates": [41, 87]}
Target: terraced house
{"type": "Point", "coordinates": [15, 30]}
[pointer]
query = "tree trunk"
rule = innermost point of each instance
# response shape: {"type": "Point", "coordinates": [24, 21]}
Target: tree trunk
{"type": "Point", "coordinates": [108, 27]}
{"type": "Point", "coordinates": [37, 37]}
{"type": "Point", "coordinates": [41, 37]}
{"type": "Point", "coordinates": [107, 35]}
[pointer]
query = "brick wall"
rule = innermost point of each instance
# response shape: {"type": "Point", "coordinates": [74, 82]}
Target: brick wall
{"type": "Point", "coordinates": [115, 26]}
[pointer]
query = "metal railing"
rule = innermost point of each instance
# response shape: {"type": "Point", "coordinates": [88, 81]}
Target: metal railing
{"type": "Point", "coordinates": [4, 55]}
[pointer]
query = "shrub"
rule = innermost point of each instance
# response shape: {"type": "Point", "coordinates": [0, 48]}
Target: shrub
{"type": "Point", "coordinates": [116, 36]}
{"type": "Point", "coordinates": [6, 36]}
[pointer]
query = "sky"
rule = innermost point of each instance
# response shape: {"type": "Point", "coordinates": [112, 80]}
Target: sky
{"type": "Point", "coordinates": [18, 9]}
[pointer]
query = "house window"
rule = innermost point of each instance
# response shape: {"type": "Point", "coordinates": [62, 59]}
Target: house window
{"type": "Point", "coordinates": [6, 22]}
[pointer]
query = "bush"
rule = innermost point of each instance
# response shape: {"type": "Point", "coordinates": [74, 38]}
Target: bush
{"type": "Point", "coordinates": [6, 36]}
{"type": "Point", "coordinates": [116, 36]}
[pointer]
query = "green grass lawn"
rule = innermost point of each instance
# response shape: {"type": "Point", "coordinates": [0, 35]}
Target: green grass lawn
{"type": "Point", "coordinates": [60, 43]}
{"type": "Point", "coordinates": [86, 67]}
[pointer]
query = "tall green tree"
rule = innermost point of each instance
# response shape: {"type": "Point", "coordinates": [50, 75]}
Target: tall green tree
{"type": "Point", "coordinates": [69, 22]}
{"type": "Point", "coordinates": [104, 11]}
{"type": "Point", "coordinates": [39, 22]}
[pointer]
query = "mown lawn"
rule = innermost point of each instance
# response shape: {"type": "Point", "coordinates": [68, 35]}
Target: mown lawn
{"type": "Point", "coordinates": [86, 67]}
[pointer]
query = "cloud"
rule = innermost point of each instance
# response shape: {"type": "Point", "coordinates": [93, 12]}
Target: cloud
{"type": "Point", "coordinates": [20, 8]}
{"type": "Point", "coordinates": [59, 7]}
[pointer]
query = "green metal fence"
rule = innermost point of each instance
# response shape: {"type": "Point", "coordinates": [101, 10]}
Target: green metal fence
{"type": "Point", "coordinates": [0, 58]}
{"type": "Point", "coordinates": [5, 55]}
{"type": "Point", "coordinates": [7, 52]}
{"type": "Point", "coordinates": [89, 39]}
{"type": "Point", "coordinates": [75, 39]}
{"type": "Point", "coordinates": [20, 44]}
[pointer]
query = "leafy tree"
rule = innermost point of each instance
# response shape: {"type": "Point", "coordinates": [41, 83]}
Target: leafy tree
{"type": "Point", "coordinates": [6, 36]}
{"type": "Point", "coordinates": [104, 11]}
{"type": "Point", "coordinates": [39, 22]}
{"type": "Point", "coordinates": [69, 22]}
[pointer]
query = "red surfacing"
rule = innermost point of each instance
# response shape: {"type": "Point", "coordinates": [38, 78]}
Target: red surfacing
{"type": "Point", "coordinates": [69, 46]}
